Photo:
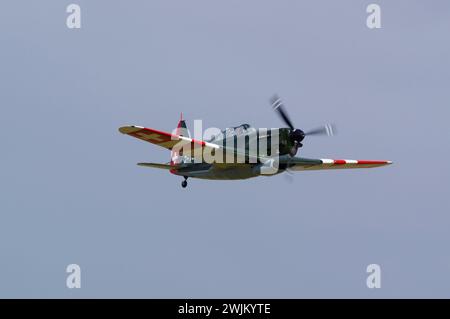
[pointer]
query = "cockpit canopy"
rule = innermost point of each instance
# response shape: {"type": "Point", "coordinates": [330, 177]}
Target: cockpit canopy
{"type": "Point", "coordinates": [233, 131]}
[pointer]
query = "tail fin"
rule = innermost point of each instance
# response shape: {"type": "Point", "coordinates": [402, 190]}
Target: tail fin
{"type": "Point", "coordinates": [182, 128]}
{"type": "Point", "coordinates": [177, 156]}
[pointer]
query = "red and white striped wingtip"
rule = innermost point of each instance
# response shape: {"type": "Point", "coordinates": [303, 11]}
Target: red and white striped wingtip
{"type": "Point", "coordinates": [354, 162]}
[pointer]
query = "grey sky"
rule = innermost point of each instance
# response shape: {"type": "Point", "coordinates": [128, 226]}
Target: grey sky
{"type": "Point", "coordinates": [71, 192]}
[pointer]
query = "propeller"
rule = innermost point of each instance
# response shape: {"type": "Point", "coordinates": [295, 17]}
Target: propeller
{"type": "Point", "coordinates": [328, 129]}
{"type": "Point", "coordinates": [278, 106]}
{"type": "Point", "coordinates": [297, 135]}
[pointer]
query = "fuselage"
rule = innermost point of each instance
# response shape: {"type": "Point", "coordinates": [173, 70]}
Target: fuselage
{"type": "Point", "coordinates": [245, 140]}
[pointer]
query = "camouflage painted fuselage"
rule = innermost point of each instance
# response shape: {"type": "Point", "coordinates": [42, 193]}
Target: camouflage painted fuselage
{"type": "Point", "coordinates": [273, 143]}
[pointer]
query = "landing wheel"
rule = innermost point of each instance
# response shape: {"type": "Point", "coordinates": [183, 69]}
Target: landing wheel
{"type": "Point", "coordinates": [184, 183]}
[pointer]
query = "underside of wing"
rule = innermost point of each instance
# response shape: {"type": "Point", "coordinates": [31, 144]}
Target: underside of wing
{"type": "Point", "coordinates": [305, 164]}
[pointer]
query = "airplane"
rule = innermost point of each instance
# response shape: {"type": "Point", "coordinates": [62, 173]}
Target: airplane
{"type": "Point", "coordinates": [273, 150]}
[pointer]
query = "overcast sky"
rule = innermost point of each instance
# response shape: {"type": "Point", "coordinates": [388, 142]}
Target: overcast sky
{"type": "Point", "coordinates": [71, 191]}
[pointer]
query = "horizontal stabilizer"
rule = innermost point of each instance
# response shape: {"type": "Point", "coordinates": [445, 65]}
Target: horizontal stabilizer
{"type": "Point", "coordinates": [157, 165]}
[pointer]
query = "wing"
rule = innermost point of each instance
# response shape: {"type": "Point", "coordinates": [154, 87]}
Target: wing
{"type": "Point", "coordinates": [306, 164]}
{"type": "Point", "coordinates": [168, 140]}
{"type": "Point", "coordinates": [191, 147]}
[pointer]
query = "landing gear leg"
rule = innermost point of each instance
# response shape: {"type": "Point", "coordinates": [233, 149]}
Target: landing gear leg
{"type": "Point", "coordinates": [184, 183]}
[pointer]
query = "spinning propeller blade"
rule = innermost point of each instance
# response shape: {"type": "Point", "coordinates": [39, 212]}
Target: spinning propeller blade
{"type": "Point", "coordinates": [328, 129]}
